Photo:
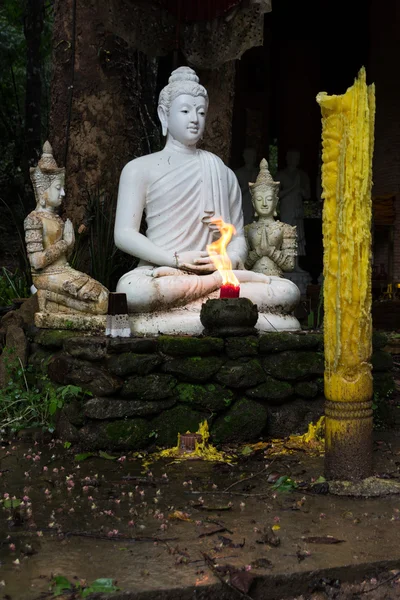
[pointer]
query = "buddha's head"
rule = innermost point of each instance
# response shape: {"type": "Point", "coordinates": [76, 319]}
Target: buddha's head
{"type": "Point", "coordinates": [48, 180]}
{"type": "Point", "coordinates": [264, 192]}
{"type": "Point", "coordinates": [182, 107]}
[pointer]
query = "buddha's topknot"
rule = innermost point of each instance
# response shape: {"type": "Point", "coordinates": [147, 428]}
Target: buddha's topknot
{"type": "Point", "coordinates": [182, 81]}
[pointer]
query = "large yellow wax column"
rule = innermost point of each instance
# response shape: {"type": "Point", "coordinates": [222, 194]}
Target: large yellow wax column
{"type": "Point", "coordinates": [347, 140]}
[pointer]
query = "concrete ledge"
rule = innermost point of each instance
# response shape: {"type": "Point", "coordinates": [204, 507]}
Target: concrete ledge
{"type": "Point", "coordinates": [94, 323]}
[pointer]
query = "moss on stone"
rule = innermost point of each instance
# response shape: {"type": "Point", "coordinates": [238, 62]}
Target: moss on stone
{"type": "Point", "coordinates": [243, 422]}
{"type": "Point", "coordinates": [241, 373]}
{"type": "Point", "coordinates": [155, 386]}
{"type": "Point", "coordinates": [293, 365]}
{"type": "Point", "coordinates": [194, 368]}
{"type": "Point", "coordinates": [208, 396]}
{"type": "Point", "coordinates": [133, 433]}
{"type": "Point", "coordinates": [381, 361]}
{"type": "Point", "coordinates": [179, 419]}
{"type": "Point", "coordinates": [189, 346]}
{"type": "Point", "coordinates": [54, 338]}
{"type": "Point", "coordinates": [383, 384]}
{"type": "Point", "coordinates": [379, 340]}
{"type": "Point", "coordinates": [281, 341]}
{"type": "Point", "coordinates": [306, 389]}
{"type": "Point", "coordinates": [321, 385]}
{"type": "Point", "coordinates": [237, 347]}
{"type": "Point", "coordinates": [129, 363]}
{"type": "Point", "coordinates": [272, 391]}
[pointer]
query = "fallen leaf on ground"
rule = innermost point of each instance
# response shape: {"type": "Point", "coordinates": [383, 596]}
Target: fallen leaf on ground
{"type": "Point", "coordinates": [178, 515]}
{"type": "Point", "coordinates": [326, 539]}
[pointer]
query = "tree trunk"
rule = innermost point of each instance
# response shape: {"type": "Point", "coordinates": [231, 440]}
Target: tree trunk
{"type": "Point", "coordinates": [220, 85]}
{"type": "Point", "coordinates": [33, 28]}
{"type": "Point", "coordinates": [102, 101]}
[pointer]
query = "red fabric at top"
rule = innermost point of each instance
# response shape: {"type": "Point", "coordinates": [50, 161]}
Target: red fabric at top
{"type": "Point", "coordinates": [198, 10]}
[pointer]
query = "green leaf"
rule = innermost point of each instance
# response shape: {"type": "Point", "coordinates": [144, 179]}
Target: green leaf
{"type": "Point", "coordinates": [320, 479]}
{"type": "Point", "coordinates": [246, 451]}
{"type": "Point", "coordinates": [83, 456]}
{"type": "Point", "coordinates": [100, 585]}
{"type": "Point", "coordinates": [9, 503]}
{"type": "Point", "coordinates": [284, 484]}
{"type": "Point", "coordinates": [60, 584]}
{"type": "Point", "coordinates": [106, 456]}
{"type": "Point", "coordinates": [67, 445]}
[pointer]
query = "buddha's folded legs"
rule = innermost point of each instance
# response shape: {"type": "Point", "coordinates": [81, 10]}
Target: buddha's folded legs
{"type": "Point", "coordinates": [151, 290]}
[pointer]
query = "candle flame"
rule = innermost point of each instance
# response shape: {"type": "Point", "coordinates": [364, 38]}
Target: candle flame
{"type": "Point", "coordinates": [217, 252]}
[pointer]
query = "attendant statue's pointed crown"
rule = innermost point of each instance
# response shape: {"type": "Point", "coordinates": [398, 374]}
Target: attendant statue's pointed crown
{"type": "Point", "coordinates": [46, 171]}
{"type": "Point", "coordinates": [182, 81]}
{"type": "Point", "coordinates": [264, 179]}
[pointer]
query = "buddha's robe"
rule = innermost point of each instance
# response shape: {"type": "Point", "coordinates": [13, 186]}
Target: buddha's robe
{"type": "Point", "coordinates": [178, 201]}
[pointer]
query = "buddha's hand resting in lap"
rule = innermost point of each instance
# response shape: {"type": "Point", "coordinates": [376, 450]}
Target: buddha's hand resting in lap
{"type": "Point", "coordinates": [199, 262]}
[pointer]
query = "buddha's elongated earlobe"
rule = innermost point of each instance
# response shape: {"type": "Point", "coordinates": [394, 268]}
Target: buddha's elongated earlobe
{"type": "Point", "coordinates": [164, 130]}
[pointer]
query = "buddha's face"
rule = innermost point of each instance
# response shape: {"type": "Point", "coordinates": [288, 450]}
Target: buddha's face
{"type": "Point", "coordinates": [264, 201]}
{"type": "Point", "coordinates": [186, 119]}
{"type": "Point", "coordinates": [55, 193]}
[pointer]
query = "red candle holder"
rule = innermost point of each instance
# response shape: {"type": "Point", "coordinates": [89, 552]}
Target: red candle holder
{"type": "Point", "coordinates": [228, 290]}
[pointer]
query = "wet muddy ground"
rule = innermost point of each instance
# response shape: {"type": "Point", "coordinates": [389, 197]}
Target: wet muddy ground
{"type": "Point", "coordinates": [193, 529]}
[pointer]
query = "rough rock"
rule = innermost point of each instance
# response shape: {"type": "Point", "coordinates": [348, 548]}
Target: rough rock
{"type": "Point", "coordinates": [138, 345]}
{"type": "Point", "coordinates": [244, 421]}
{"type": "Point", "coordinates": [236, 347]}
{"type": "Point", "coordinates": [379, 340]}
{"type": "Point", "coordinates": [179, 419]}
{"type": "Point", "coordinates": [293, 365]}
{"type": "Point", "coordinates": [156, 386]}
{"type": "Point", "coordinates": [114, 408]}
{"type": "Point", "coordinates": [66, 370]}
{"type": "Point", "coordinates": [371, 487]}
{"type": "Point", "coordinates": [39, 359]}
{"type": "Point", "coordinates": [194, 368]}
{"type": "Point", "coordinates": [129, 363]}
{"type": "Point", "coordinates": [241, 373]}
{"type": "Point", "coordinates": [281, 341]}
{"type": "Point", "coordinates": [13, 317]}
{"type": "Point", "coordinates": [28, 309]}
{"type": "Point", "coordinates": [293, 417]}
{"type": "Point", "coordinates": [210, 396]}
{"type": "Point", "coordinates": [383, 384]}
{"type": "Point", "coordinates": [88, 347]}
{"type": "Point", "coordinates": [125, 434]}
{"type": "Point", "coordinates": [190, 346]}
{"type": "Point", "coordinates": [272, 390]}
{"type": "Point", "coordinates": [306, 389]}
{"type": "Point", "coordinates": [54, 338]}
{"type": "Point", "coordinates": [17, 344]}
{"type": "Point", "coordinates": [16, 348]}
{"type": "Point", "coordinates": [66, 431]}
{"type": "Point", "coordinates": [381, 361]}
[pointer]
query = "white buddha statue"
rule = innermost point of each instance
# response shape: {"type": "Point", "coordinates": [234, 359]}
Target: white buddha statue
{"type": "Point", "coordinates": [182, 191]}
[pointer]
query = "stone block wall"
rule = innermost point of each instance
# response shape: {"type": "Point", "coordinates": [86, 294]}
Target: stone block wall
{"type": "Point", "coordinates": [143, 391]}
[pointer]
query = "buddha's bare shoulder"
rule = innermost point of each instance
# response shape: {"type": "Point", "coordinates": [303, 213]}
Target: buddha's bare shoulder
{"type": "Point", "coordinates": [142, 166]}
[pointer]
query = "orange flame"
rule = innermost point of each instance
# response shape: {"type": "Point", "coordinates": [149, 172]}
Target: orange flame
{"type": "Point", "coordinates": [217, 252]}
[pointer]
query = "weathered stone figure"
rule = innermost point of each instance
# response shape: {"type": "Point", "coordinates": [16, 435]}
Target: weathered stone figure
{"type": "Point", "coordinates": [50, 241]}
{"type": "Point", "coordinates": [272, 244]}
